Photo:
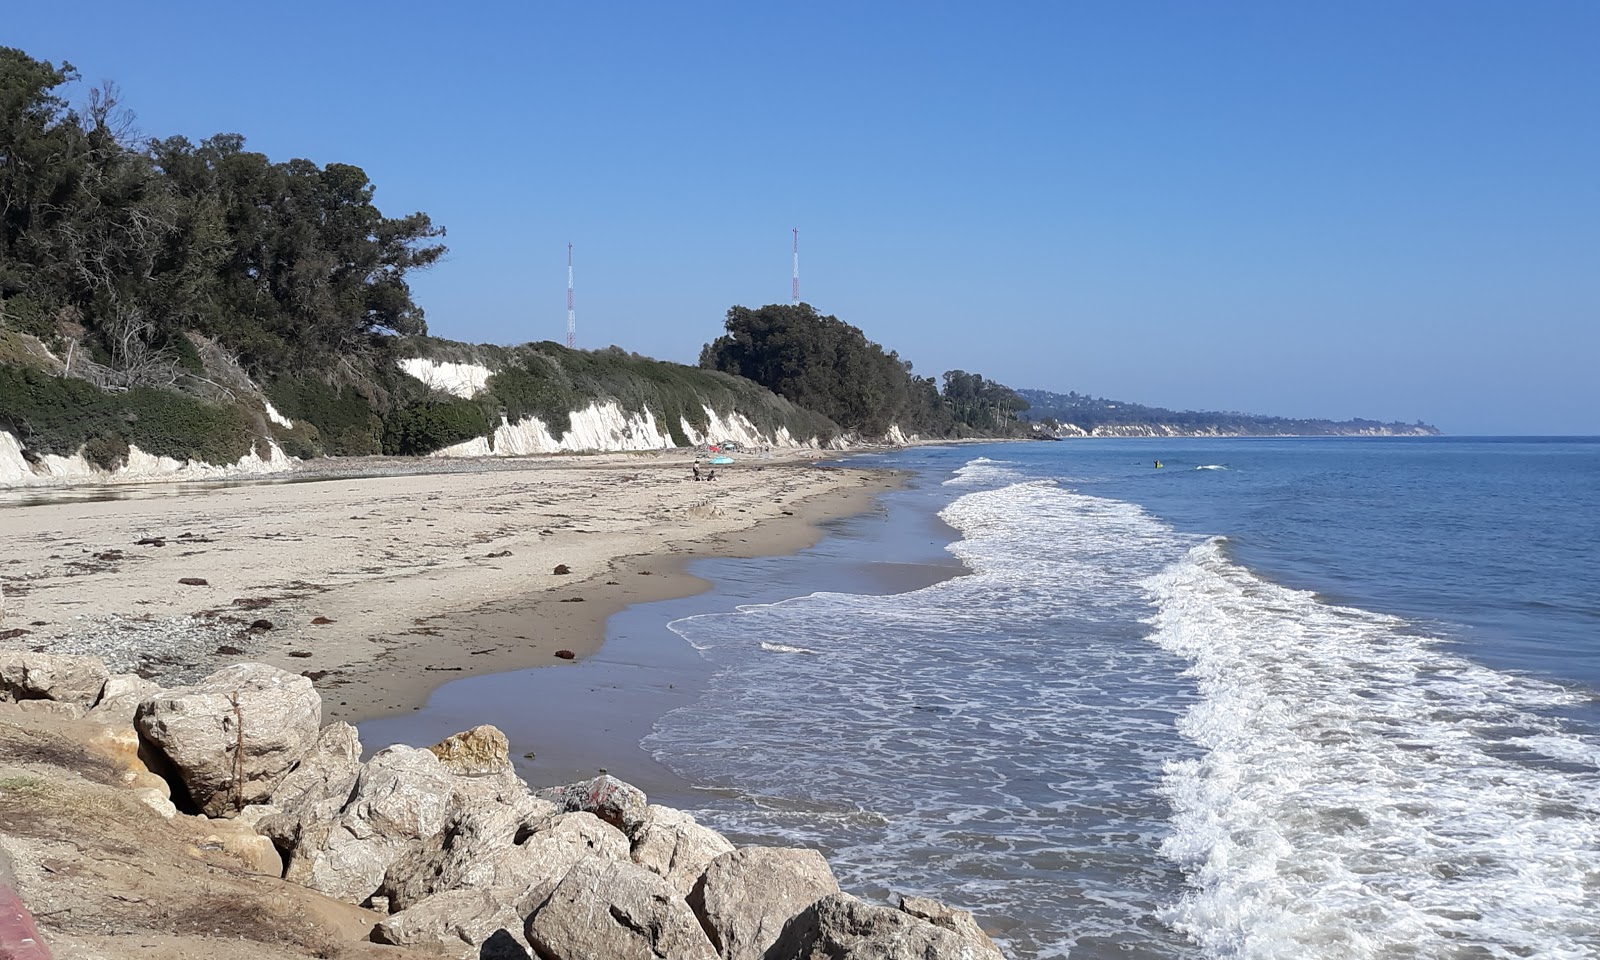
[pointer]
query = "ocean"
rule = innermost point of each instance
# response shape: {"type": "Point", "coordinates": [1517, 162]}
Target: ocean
{"type": "Point", "coordinates": [1279, 698]}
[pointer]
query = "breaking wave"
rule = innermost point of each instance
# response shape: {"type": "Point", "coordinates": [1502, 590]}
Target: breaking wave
{"type": "Point", "coordinates": [1363, 792]}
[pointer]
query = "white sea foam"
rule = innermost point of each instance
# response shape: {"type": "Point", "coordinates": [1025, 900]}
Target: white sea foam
{"type": "Point", "coordinates": [983, 472]}
{"type": "Point", "coordinates": [1364, 792]}
{"type": "Point", "coordinates": [784, 648]}
{"type": "Point", "coordinates": [1213, 466]}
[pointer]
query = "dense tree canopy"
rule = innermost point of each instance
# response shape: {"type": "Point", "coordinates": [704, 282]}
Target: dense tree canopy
{"type": "Point", "coordinates": [135, 241]}
{"type": "Point", "coordinates": [824, 364]}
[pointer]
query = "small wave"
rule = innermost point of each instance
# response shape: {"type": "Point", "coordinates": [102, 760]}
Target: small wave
{"type": "Point", "coordinates": [984, 472]}
{"type": "Point", "coordinates": [784, 648]}
{"type": "Point", "coordinates": [1213, 466]}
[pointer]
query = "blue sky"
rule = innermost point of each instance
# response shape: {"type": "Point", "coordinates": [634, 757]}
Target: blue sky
{"type": "Point", "coordinates": [1388, 210]}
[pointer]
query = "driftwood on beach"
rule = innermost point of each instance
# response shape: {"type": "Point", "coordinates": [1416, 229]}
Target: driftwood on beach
{"type": "Point", "coordinates": [457, 853]}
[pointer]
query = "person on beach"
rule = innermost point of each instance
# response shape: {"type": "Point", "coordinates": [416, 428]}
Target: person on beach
{"type": "Point", "coordinates": [697, 471]}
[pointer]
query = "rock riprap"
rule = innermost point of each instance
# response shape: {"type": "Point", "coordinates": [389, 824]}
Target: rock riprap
{"type": "Point", "coordinates": [233, 736]}
{"type": "Point", "coordinates": [455, 847]}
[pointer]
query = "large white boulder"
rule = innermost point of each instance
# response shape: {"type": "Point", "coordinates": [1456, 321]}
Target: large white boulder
{"type": "Point", "coordinates": [470, 920]}
{"type": "Point", "coordinates": [43, 676]}
{"type": "Point", "coordinates": [232, 737]}
{"type": "Point", "coordinates": [745, 897]}
{"type": "Point", "coordinates": [673, 845]}
{"type": "Point", "coordinates": [840, 927]}
{"type": "Point", "coordinates": [343, 849]}
{"type": "Point", "coordinates": [618, 911]}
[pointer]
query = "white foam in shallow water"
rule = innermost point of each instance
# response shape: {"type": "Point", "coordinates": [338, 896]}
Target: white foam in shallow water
{"type": "Point", "coordinates": [1365, 793]}
{"type": "Point", "coordinates": [978, 741]}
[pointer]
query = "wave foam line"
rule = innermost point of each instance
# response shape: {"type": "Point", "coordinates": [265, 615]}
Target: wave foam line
{"type": "Point", "coordinates": [1364, 793]}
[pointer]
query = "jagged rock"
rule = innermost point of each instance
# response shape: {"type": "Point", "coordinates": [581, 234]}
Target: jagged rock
{"type": "Point", "coordinates": [470, 852]}
{"type": "Point", "coordinates": [344, 849]}
{"type": "Point", "coordinates": [616, 910]}
{"type": "Point", "coordinates": [199, 729]}
{"type": "Point", "coordinates": [620, 804]}
{"type": "Point", "coordinates": [840, 927]}
{"type": "Point", "coordinates": [674, 846]}
{"type": "Point", "coordinates": [957, 921]}
{"type": "Point", "coordinates": [481, 750]}
{"type": "Point", "coordinates": [745, 897]}
{"type": "Point", "coordinates": [121, 696]}
{"type": "Point", "coordinates": [43, 676]}
{"type": "Point", "coordinates": [329, 769]}
{"type": "Point", "coordinates": [459, 917]}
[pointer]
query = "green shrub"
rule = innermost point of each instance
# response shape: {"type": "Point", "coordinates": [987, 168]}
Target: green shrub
{"type": "Point", "coordinates": [346, 422]}
{"type": "Point", "coordinates": [188, 357]}
{"type": "Point", "coordinates": [416, 431]}
{"type": "Point", "coordinates": [107, 453]}
{"type": "Point", "coordinates": [535, 390]}
{"type": "Point", "coordinates": [28, 314]}
{"type": "Point", "coordinates": [60, 415]}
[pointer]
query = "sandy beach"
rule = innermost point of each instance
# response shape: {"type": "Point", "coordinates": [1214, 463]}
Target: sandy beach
{"type": "Point", "coordinates": [383, 587]}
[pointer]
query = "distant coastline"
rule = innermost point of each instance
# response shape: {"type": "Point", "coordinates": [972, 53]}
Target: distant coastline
{"type": "Point", "coordinates": [1072, 415]}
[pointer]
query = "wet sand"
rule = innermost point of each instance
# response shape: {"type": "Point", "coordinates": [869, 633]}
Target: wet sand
{"type": "Point", "coordinates": [572, 721]}
{"type": "Point", "coordinates": [384, 587]}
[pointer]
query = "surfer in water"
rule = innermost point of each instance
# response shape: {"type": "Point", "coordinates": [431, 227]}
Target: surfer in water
{"type": "Point", "coordinates": [1158, 464]}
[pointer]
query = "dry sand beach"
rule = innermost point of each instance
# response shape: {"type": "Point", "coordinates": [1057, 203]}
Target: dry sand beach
{"type": "Point", "coordinates": [382, 587]}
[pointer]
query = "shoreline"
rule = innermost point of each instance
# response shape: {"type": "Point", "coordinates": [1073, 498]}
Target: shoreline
{"type": "Point", "coordinates": [383, 588]}
{"type": "Point", "coordinates": [594, 714]}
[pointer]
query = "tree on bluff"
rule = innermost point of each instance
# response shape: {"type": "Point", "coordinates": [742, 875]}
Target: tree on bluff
{"type": "Point", "coordinates": [823, 364]}
{"type": "Point", "coordinates": [137, 241]}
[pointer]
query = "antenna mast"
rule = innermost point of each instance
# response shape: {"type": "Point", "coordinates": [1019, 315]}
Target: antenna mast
{"type": "Point", "coordinates": [572, 326]}
{"type": "Point", "coordinates": [794, 289]}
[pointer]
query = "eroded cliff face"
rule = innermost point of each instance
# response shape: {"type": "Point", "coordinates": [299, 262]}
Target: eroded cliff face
{"type": "Point", "coordinates": [606, 427]}
{"type": "Point", "coordinates": [44, 470]}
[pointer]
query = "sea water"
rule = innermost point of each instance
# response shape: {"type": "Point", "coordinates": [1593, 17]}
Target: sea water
{"type": "Point", "coordinates": [1277, 698]}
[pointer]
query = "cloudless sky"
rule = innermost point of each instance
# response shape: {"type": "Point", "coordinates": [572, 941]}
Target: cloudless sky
{"type": "Point", "coordinates": [1380, 209]}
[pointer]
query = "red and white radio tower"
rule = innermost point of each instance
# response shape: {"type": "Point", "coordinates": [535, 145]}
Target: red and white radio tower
{"type": "Point", "coordinates": [794, 289]}
{"type": "Point", "coordinates": [572, 325]}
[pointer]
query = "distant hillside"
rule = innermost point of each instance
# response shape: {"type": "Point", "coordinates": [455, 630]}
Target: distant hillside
{"type": "Point", "coordinates": [1079, 415]}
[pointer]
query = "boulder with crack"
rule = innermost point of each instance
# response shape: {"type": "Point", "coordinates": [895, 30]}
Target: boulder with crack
{"type": "Point", "coordinates": [478, 849]}
{"type": "Point", "coordinates": [673, 845]}
{"type": "Point", "coordinates": [745, 897]}
{"type": "Point", "coordinates": [121, 696]}
{"type": "Point", "coordinates": [232, 737]}
{"type": "Point", "coordinates": [469, 919]}
{"type": "Point", "coordinates": [953, 919]}
{"type": "Point", "coordinates": [343, 849]}
{"type": "Point", "coordinates": [840, 927]}
{"type": "Point", "coordinates": [43, 676]}
{"type": "Point", "coordinates": [616, 910]}
{"type": "Point", "coordinates": [328, 770]}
